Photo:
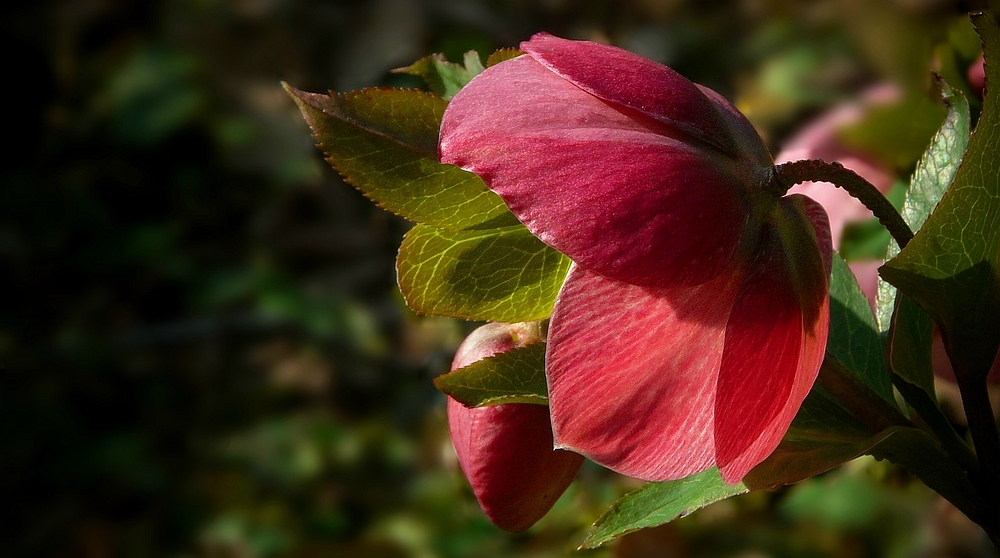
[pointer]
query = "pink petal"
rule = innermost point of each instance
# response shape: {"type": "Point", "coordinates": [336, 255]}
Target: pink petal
{"type": "Point", "coordinates": [506, 453]}
{"type": "Point", "coordinates": [866, 272]}
{"type": "Point", "coordinates": [775, 339]}
{"type": "Point", "coordinates": [632, 372]}
{"type": "Point", "coordinates": [609, 187]}
{"type": "Point", "coordinates": [624, 78]}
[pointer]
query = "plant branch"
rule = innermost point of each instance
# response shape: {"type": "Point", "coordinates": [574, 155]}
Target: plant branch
{"type": "Point", "coordinates": [814, 170]}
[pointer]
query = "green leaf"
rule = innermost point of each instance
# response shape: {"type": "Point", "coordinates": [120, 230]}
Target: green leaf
{"type": "Point", "coordinates": [865, 240]}
{"type": "Point", "coordinates": [442, 77]}
{"type": "Point", "coordinates": [500, 275]}
{"type": "Point", "coordinates": [909, 346]}
{"type": "Point", "coordinates": [473, 64]}
{"type": "Point", "coordinates": [934, 174]}
{"type": "Point", "coordinates": [951, 268]}
{"type": "Point", "coordinates": [657, 503]}
{"type": "Point", "coordinates": [502, 55]}
{"type": "Point", "coordinates": [917, 452]}
{"type": "Point", "coordinates": [854, 338]}
{"type": "Point", "coordinates": [384, 142]}
{"type": "Point", "coordinates": [516, 376]}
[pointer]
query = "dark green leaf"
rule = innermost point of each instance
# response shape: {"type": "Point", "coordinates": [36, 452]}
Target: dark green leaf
{"type": "Point", "coordinates": [502, 275]}
{"type": "Point", "coordinates": [657, 503]}
{"type": "Point", "coordinates": [934, 174]}
{"type": "Point", "coordinates": [951, 268]}
{"type": "Point", "coordinates": [854, 338]}
{"type": "Point", "coordinates": [909, 345]}
{"type": "Point", "coordinates": [516, 376]}
{"type": "Point", "coordinates": [384, 142]}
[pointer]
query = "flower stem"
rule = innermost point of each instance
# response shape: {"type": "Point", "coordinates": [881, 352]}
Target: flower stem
{"type": "Point", "coordinates": [814, 170]}
{"type": "Point", "coordinates": [985, 437]}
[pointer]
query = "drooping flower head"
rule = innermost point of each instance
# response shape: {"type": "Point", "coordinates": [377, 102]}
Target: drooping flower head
{"type": "Point", "coordinates": [506, 451]}
{"type": "Point", "coordinates": [694, 320]}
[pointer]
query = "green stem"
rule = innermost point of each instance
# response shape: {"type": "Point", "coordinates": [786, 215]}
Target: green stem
{"type": "Point", "coordinates": [814, 170]}
{"type": "Point", "coordinates": [983, 426]}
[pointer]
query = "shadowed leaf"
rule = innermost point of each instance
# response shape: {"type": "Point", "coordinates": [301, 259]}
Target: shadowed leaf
{"type": "Point", "coordinates": [854, 339]}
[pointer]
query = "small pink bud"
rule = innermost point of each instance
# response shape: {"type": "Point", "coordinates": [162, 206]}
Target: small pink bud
{"type": "Point", "coordinates": [506, 451]}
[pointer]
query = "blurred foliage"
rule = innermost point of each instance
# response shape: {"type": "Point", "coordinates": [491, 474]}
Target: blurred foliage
{"type": "Point", "coordinates": [203, 350]}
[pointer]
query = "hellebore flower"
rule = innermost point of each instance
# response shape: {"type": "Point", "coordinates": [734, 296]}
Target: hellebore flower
{"type": "Point", "coordinates": [694, 320]}
{"type": "Point", "coordinates": [506, 451]}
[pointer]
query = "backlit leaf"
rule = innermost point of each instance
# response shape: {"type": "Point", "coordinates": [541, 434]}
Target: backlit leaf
{"type": "Point", "coordinates": [502, 275]}
{"type": "Point", "coordinates": [502, 55]}
{"type": "Point", "coordinates": [934, 174]}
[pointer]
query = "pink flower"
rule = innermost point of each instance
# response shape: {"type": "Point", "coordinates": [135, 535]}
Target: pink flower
{"type": "Point", "coordinates": [506, 451]}
{"type": "Point", "coordinates": [977, 74]}
{"type": "Point", "coordinates": [694, 320]}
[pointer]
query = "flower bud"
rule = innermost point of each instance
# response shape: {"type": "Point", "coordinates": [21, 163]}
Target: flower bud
{"type": "Point", "coordinates": [506, 451]}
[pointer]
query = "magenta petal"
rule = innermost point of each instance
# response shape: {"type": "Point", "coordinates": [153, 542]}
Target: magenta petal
{"type": "Point", "coordinates": [632, 372]}
{"type": "Point", "coordinates": [608, 187]}
{"type": "Point", "coordinates": [775, 340]}
{"type": "Point", "coordinates": [625, 78]}
{"type": "Point", "coordinates": [506, 453]}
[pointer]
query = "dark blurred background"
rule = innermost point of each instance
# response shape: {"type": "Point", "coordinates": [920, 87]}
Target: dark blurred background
{"type": "Point", "coordinates": [203, 350]}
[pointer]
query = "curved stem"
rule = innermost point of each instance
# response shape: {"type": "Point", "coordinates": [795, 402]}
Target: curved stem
{"type": "Point", "coordinates": [814, 170]}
